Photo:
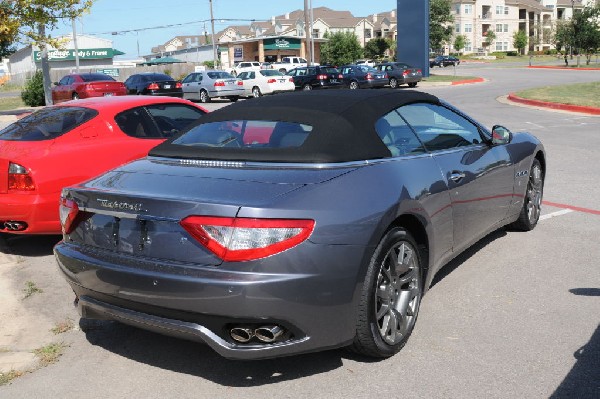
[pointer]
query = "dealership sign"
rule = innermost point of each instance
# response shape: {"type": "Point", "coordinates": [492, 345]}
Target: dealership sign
{"type": "Point", "coordinates": [281, 43]}
{"type": "Point", "coordinates": [69, 55]}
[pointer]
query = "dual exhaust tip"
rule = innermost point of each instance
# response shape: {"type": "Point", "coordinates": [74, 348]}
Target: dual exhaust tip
{"type": "Point", "coordinates": [267, 334]}
{"type": "Point", "coordinates": [14, 226]}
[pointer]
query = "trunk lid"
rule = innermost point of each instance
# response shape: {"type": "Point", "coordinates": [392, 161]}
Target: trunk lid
{"type": "Point", "coordinates": [136, 209]}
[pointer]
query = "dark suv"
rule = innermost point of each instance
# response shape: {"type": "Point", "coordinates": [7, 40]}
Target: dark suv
{"type": "Point", "coordinates": [316, 77]}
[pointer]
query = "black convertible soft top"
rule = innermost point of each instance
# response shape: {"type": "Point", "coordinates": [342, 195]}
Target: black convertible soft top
{"type": "Point", "coordinates": [343, 126]}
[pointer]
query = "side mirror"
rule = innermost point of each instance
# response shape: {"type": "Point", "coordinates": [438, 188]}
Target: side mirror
{"type": "Point", "coordinates": [501, 135]}
{"type": "Point", "coordinates": [56, 83]}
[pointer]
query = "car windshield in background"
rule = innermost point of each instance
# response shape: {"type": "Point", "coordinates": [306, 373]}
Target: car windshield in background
{"type": "Point", "coordinates": [246, 134]}
{"type": "Point", "coordinates": [94, 77]}
{"type": "Point", "coordinates": [270, 72]}
{"type": "Point", "coordinates": [367, 69]}
{"type": "Point", "coordinates": [329, 70]}
{"type": "Point", "coordinates": [219, 75]}
{"type": "Point", "coordinates": [157, 76]}
{"type": "Point", "coordinates": [47, 124]}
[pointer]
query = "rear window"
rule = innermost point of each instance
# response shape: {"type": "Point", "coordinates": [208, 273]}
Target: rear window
{"type": "Point", "coordinates": [156, 76]}
{"type": "Point", "coordinates": [271, 72]}
{"type": "Point", "coordinates": [219, 75]}
{"type": "Point", "coordinates": [329, 70]}
{"type": "Point", "coordinates": [246, 134]}
{"type": "Point", "coordinates": [47, 124]}
{"type": "Point", "coordinates": [94, 77]}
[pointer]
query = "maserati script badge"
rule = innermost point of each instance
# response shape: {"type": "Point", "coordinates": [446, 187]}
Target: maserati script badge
{"type": "Point", "coordinates": [121, 205]}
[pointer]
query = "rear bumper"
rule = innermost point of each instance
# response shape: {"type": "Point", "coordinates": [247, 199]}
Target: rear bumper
{"type": "Point", "coordinates": [39, 212]}
{"type": "Point", "coordinates": [166, 93]}
{"type": "Point", "coordinates": [203, 303]}
{"type": "Point", "coordinates": [226, 93]}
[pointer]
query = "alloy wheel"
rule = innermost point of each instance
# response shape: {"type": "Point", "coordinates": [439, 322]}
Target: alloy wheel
{"type": "Point", "coordinates": [534, 193]}
{"type": "Point", "coordinates": [397, 293]}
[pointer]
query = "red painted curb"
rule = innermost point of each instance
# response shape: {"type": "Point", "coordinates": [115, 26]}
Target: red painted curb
{"type": "Point", "coordinates": [562, 67]}
{"type": "Point", "coordinates": [468, 81]}
{"type": "Point", "coordinates": [565, 107]}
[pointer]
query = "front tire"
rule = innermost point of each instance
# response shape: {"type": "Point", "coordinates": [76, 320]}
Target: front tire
{"type": "Point", "coordinates": [412, 84]}
{"type": "Point", "coordinates": [532, 204]}
{"type": "Point", "coordinates": [354, 85]}
{"type": "Point", "coordinates": [75, 96]}
{"type": "Point", "coordinates": [233, 98]}
{"type": "Point", "coordinates": [393, 83]}
{"type": "Point", "coordinates": [391, 296]}
{"type": "Point", "coordinates": [256, 92]}
{"type": "Point", "coordinates": [307, 87]}
{"type": "Point", "coordinates": [204, 97]}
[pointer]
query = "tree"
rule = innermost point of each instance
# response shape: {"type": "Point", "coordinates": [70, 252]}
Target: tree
{"type": "Point", "coordinates": [9, 29]}
{"type": "Point", "coordinates": [375, 48]}
{"type": "Point", "coordinates": [490, 36]}
{"type": "Point", "coordinates": [459, 42]}
{"type": "Point", "coordinates": [440, 19]}
{"type": "Point", "coordinates": [586, 31]}
{"type": "Point", "coordinates": [341, 48]}
{"type": "Point", "coordinates": [520, 40]}
{"type": "Point", "coordinates": [30, 19]}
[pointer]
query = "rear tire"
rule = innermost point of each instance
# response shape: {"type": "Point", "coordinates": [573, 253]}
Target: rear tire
{"type": "Point", "coordinates": [532, 203]}
{"type": "Point", "coordinates": [233, 98]}
{"type": "Point", "coordinates": [204, 97]}
{"type": "Point", "coordinates": [390, 297]}
{"type": "Point", "coordinates": [307, 87]}
{"type": "Point", "coordinates": [393, 83]}
{"type": "Point", "coordinates": [413, 84]}
{"type": "Point", "coordinates": [75, 96]}
{"type": "Point", "coordinates": [256, 92]}
{"type": "Point", "coordinates": [354, 85]}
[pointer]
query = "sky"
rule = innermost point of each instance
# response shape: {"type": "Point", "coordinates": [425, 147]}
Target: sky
{"type": "Point", "coordinates": [117, 16]}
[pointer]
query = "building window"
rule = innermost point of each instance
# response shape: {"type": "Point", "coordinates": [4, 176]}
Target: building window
{"type": "Point", "coordinates": [498, 46]}
{"type": "Point", "coordinates": [468, 28]}
{"type": "Point", "coordinates": [468, 46]}
{"type": "Point", "coordinates": [505, 28]}
{"type": "Point", "coordinates": [457, 28]}
{"type": "Point", "coordinates": [367, 33]}
{"type": "Point", "coordinates": [499, 10]}
{"type": "Point", "coordinates": [315, 33]}
{"type": "Point", "coordinates": [505, 10]}
{"type": "Point", "coordinates": [457, 8]}
{"type": "Point", "coordinates": [498, 27]}
{"type": "Point", "coordinates": [468, 8]}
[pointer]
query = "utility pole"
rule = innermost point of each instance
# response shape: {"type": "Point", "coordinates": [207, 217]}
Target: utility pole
{"type": "Point", "coordinates": [76, 48]}
{"type": "Point", "coordinates": [312, 39]}
{"type": "Point", "coordinates": [307, 33]}
{"type": "Point", "coordinates": [212, 26]}
{"type": "Point", "coordinates": [45, 66]}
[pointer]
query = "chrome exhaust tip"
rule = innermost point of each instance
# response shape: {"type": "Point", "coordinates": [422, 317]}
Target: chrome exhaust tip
{"type": "Point", "coordinates": [241, 334]}
{"type": "Point", "coordinates": [269, 333]}
{"type": "Point", "coordinates": [14, 225]}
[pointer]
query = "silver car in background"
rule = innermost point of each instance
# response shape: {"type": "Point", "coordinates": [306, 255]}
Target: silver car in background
{"type": "Point", "coordinates": [205, 85]}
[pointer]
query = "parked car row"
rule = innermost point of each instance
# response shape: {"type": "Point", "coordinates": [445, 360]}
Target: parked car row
{"type": "Point", "coordinates": [247, 79]}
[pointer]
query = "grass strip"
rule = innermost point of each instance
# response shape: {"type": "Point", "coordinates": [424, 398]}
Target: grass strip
{"type": "Point", "coordinates": [586, 94]}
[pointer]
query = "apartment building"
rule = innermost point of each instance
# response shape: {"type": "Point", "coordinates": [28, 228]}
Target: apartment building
{"type": "Point", "coordinates": [475, 18]}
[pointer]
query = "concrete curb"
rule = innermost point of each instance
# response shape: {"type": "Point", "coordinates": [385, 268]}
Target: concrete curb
{"type": "Point", "coordinates": [563, 107]}
{"type": "Point", "coordinates": [455, 83]}
{"type": "Point", "coordinates": [562, 67]}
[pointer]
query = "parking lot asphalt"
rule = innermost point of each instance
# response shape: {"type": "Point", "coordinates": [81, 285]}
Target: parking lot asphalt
{"type": "Point", "coordinates": [514, 316]}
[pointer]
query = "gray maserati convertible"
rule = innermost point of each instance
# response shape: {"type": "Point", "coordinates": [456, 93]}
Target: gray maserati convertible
{"type": "Point", "coordinates": [296, 223]}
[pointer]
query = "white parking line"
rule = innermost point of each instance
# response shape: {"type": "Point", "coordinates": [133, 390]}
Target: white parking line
{"type": "Point", "coordinates": [555, 214]}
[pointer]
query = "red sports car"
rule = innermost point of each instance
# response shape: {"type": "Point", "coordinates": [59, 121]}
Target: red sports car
{"type": "Point", "coordinates": [62, 145]}
{"type": "Point", "coordinates": [84, 85]}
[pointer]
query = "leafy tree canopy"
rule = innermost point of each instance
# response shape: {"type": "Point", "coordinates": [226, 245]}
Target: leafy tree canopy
{"type": "Point", "coordinates": [375, 48]}
{"type": "Point", "coordinates": [341, 48]}
{"type": "Point", "coordinates": [440, 19]}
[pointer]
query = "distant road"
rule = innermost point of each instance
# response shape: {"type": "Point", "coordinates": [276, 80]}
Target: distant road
{"type": "Point", "coordinates": [10, 93]}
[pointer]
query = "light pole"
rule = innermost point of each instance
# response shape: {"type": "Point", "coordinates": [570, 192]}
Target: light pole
{"type": "Point", "coordinates": [212, 27]}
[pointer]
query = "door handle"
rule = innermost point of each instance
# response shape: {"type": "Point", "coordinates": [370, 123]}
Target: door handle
{"type": "Point", "coordinates": [457, 176]}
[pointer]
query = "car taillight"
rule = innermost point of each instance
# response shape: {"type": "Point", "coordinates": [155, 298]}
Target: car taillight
{"type": "Point", "coordinates": [271, 81]}
{"type": "Point", "coordinates": [340, 76]}
{"type": "Point", "coordinates": [240, 83]}
{"type": "Point", "coordinates": [418, 71]}
{"type": "Point", "coordinates": [219, 83]}
{"type": "Point", "coordinates": [244, 239]}
{"type": "Point", "coordinates": [70, 215]}
{"type": "Point", "coordinates": [292, 80]}
{"type": "Point", "coordinates": [405, 73]}
{"type": "Point", "coordinates": [153, 86]}
{"type": "Point", "coordinates": [178, 85]}
{"type": "Point", "coordinates": [369, 76]}
{"type": "Point", "coordinates": [322, 77]}
{"type": "Point", "coordinates": [19, 178]}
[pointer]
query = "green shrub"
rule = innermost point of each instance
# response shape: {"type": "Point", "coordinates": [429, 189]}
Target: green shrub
{"type": "Point", "coordinates": [33, 93]}
{"type": "Point", "coordinates": [499, 54]}
{"type": "Point", "coordinates": [209, 64]}
{"type": "Point", "coordinates": [512, 53]}
{"type": "Point", "coordinates": [551, 52]}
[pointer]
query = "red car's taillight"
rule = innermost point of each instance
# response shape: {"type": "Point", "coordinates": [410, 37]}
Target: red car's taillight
{"type": "Point", "coordinates": [153, 86]}
{"type": "Point", "coordinates": [244, 239]}
{"type": "Point", "coordinates": [19, 178]}
{"type": "Point", "coordinates": [178, 85]}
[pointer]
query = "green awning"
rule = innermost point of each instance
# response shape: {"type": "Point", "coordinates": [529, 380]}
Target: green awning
{"type": "Point", "coordinates": [161, 61]}
{"type": "Point", "coordinates": [117, 52]}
